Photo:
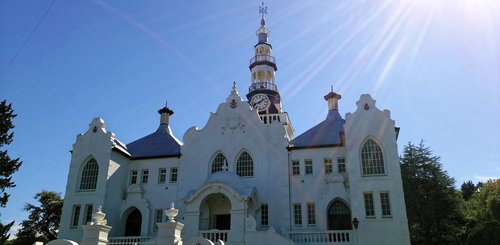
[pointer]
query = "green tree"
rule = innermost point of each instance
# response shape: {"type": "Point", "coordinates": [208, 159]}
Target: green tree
{"type": "Point", "coordinates": [43, 221]}
{"type": "Point", "coordinates": [8, 166]}
{"type": "Point", "coordinates": [483, 214]}
{"type": "Point", "coordinates": [486, 233]}
{"type": "Point", "coordinates": [433, 205]}
{"type": "Point", "coordinates": [468, 189]}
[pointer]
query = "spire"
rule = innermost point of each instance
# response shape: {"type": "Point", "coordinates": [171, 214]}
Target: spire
{"type": "Point", "coordinates": [262, 32]}
{"type": "Point", "coordinates": [332, 99]}
{"type": "Point", "coordinates": [234, 90]}
{"type": "Point", "coordinates": [263, 11]}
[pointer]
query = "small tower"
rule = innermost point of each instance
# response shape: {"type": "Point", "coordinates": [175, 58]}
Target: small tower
{"type": "Point", "coordinates": [263, 93]}
{"type": "Point", "coordinates": [333, 100]}
{"type": "Point", "coordinates": [165, 114]}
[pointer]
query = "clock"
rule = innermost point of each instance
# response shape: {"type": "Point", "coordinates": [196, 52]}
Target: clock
{"type": "Point", "coordinates": [260, 102]}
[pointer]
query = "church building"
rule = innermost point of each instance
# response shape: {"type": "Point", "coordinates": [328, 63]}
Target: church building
{"type": "Point", "coordinates": [245, 177]}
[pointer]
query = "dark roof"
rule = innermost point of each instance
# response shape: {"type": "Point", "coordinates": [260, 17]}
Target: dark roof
{"type": "Point", "coordinates": [327, 133]}
{"type": "Point", "coordinates": [161, 143]}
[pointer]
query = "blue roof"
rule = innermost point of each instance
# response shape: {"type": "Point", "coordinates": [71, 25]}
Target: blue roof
{"type": "Point", "coordinates": [161, 143]}
{"type": "Point", "coordinates": [326, 133]}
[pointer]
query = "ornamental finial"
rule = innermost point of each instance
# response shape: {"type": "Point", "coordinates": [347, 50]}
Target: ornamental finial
{"type": "Point", "coordinates": [263, 10]}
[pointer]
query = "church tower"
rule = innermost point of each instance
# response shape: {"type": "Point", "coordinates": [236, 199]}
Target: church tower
{"type": "Point", "coordinates": [263, 93]}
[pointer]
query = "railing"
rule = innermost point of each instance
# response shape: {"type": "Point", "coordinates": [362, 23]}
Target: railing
{"type": "Point", "coordinates": [262, 85]}
{"type": "Point", "coordinates": [269, 118]}
{"type": "Point", "coordinates": [325, 237]}
{"type": "Point", "coordinates": [214, 235]}
{"type": "Point", "coordinates": [131, 240]}
{"type": "Point", "coordinates": [260, 58]}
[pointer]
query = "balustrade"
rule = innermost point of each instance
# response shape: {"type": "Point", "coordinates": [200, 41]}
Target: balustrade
{"type": "Point", "coordinates": [214, 235]}
{"type": "Point", "coordinates": [326, 237]}
{"type": "Point", "coordinates": [131, 240]}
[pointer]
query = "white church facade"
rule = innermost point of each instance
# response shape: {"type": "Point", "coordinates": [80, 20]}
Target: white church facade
{"type": "Point", "coordinates": [245, 178]}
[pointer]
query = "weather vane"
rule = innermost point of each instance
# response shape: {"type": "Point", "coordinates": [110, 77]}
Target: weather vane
{"type": "Point", "coordinates": [262, 10]}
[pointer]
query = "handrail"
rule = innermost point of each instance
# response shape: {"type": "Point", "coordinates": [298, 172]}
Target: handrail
{"type": "Point", "coordinates": [131, 240]}
{"type": "Point", "coordinates": [308, 237]}
{"type": "Point", "coordinates": [263, 85]}
{"type": "Point", "coordinates": [214, 235]}
{"type": "Point", "coordinates": [260, 58]}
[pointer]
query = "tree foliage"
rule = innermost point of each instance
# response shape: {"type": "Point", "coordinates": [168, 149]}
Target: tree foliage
{"type": "Point", "coordinates": [482, 213]}
{"type": "Point", "coordinates": [8, 166]}
{"type": "Point", "coordinates": [468, 189]}
{"type": "Point", "coordinates": [43, 221]}
{"type": "Point", "coordinates": [433, 205]}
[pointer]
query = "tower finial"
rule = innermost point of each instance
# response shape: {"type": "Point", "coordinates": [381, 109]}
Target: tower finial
{"type": "Point", "coordinates": [262, 11]}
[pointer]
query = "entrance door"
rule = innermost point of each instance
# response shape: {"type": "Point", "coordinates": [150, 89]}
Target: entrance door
{"type": "Point", "coordinates": [134, 221]}
{"type": "Point", "coordinates": [223, 222]}
{"type": "Point", "coordinates": [339, 216]}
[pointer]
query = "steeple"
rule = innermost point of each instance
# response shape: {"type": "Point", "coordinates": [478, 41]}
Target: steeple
{"type": "Point", "coordinates": [262, 65]}
{"type": "Point", "coordinates": [263, 93]}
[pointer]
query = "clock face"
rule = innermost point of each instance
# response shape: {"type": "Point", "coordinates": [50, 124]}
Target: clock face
{"type": "Point", "coordinates": [260, 102]}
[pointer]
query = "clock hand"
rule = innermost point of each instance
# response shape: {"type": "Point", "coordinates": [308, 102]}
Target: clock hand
{"type": "Point", "coordinates": [256, 103]}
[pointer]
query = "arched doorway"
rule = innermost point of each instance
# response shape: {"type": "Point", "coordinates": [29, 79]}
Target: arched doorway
{"type": "Point", "coordinates": [339, 216]}
{"type": "Point", "coordinates": [215, 212]}
{"type": "Point", "coordinates": [133, 224]}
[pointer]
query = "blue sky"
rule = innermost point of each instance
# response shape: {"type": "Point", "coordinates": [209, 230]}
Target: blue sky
{"type": "Point", "coordinates": [434, 64]}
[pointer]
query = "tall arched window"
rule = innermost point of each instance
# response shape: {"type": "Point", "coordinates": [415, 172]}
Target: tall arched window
{"type": "Point", "coordinates": [244, 165]}
{"type": "Point", "coordinates": [88, 180]}
{"type": "Point", "coordinates": [372, 159]}
{"type": "Point", "coordinates": [218, 162]}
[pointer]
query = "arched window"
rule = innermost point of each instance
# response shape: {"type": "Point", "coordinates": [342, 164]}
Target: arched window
{"type": "Point", "coordinates": [88, 180]}
{"type": "Point", "coordinates": [372, 159]}
{"type": "Point", "coordinates": [244, 165]}
{"type": "Point", "coordinates": [218, 163]}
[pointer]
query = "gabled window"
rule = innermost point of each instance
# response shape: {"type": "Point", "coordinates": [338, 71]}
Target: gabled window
{"type": "Point", "coordinates": [89, 174]}
{"type": "Point", "coordinates": [218, 162]}
{"type": "Point", "coordinates": [244, 165]}
{"type": "Point", "coordinates": [372, 160]}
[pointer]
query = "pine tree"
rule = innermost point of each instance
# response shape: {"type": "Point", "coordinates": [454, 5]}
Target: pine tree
{"type": "Point", "coordinates": [43, 221]}
{"type": "Point", "coordinates": [432, 203]}
{"type": "Point", "coordinates": [8, 166]}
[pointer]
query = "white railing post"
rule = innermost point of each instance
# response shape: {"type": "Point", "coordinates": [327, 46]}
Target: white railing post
{"type": "Point", "coordinates": [170, 233]}
{"type": "Point", "coordinates": [96, 232]}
